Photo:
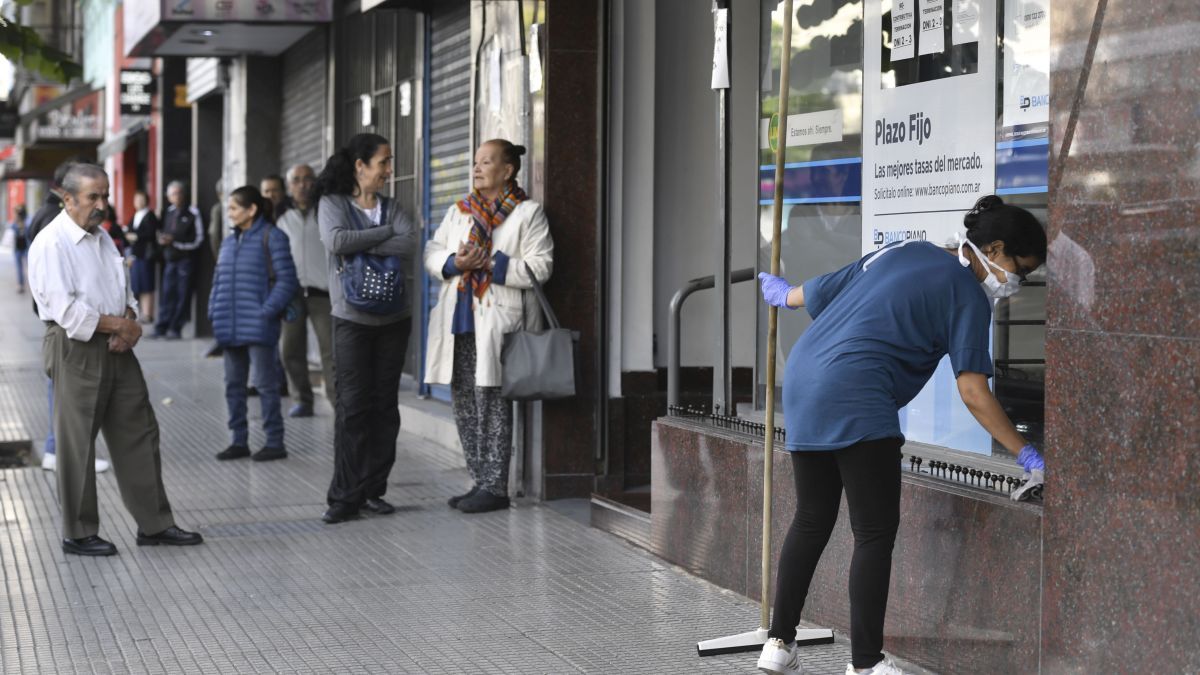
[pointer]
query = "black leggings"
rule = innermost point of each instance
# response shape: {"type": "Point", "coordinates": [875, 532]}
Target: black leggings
{"type": "Point", "coordinates": [870, 472]}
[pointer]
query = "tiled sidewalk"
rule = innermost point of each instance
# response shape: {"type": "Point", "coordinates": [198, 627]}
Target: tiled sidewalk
{"type": "Point", "coordinates": [426, 590]}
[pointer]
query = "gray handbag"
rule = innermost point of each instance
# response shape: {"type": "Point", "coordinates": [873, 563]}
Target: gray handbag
{"type": "Point", "coordinates": [538, 365]}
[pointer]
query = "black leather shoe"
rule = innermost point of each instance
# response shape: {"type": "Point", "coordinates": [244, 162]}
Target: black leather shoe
{"type": "Point", "coordinates": [172, 536]}
{"type": "Point", "coordinates": [233, 452]}
{"type": "Point", "coordinates": [339, 513]}
{"type": "Point", "coordinates": [482, 502]}
{"type": "Point", "coordinates": [379, 506]}
{"type": "Point", "coordinates": [454, 501]}
{"type": "Point", "coordinates": [268, 453]}
{"type": "Point", "coordinates": [92, 545]}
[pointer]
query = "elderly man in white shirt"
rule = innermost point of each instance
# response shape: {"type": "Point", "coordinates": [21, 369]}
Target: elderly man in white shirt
{"type": "Point", "coordinates": [79, 282]}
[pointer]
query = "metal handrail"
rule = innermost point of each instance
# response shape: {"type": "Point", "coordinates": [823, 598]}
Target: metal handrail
{"type": "Point", "coordinates": [673, 354]}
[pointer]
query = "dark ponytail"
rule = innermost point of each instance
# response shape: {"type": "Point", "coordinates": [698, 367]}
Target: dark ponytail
{"type": "Point", "coordinates": [509, 154]}
{"type": "Point", "coordinates": [247, 196]}
{"type": "Point", "coordinates": [338, 176]}
{"type": "Point", "coordinates": [992, 220]}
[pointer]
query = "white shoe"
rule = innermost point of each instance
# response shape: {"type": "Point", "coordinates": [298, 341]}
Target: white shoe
{"type": "Point", "coordinates": [1035, 481]}
{"type": "Point", "coordinates": [780, 659]}
{"type": "Point", "coordinates": [884, 667]}
{"type": "Point", "coordinates": [50, 463]}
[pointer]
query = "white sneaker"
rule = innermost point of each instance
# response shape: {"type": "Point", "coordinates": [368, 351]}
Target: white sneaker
{"type": "Point", "coordinates": [780, 659]}
{"type": "Point", "coordinates": [50, 463]}
{"type": "Point", "coordinates": [1035, 481]}
{"type": "Point", "coordinates": [884, 667]}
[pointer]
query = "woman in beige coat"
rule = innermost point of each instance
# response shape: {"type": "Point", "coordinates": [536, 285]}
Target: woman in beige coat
{"type": "Point", "coordinates": [485, 250]}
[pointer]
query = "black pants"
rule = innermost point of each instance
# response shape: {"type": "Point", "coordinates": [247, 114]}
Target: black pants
{"type": "Point", "coordinates": [870, 472]}
{"type": "Point", "coordinates": [368, 361]}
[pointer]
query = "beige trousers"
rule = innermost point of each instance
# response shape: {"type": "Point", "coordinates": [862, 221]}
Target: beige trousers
{"type": "Point", "coordinates": [96, 391]}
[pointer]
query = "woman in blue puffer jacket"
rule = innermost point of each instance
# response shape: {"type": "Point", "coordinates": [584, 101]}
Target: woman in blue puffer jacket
{"type": "Point", "coordinates": [254, 282]}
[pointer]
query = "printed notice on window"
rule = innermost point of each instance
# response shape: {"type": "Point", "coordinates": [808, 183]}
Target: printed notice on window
{"type": "Point", "coordinates": [1026, 62]}
{"type": "Point", "coordinates": [933, 39]}
{"type": "Point", "coordinates": [929, 152]}
{"type": "Point", "coordinates": [902, 29]}
{"type": "Point", "coordinates": [965, 29]}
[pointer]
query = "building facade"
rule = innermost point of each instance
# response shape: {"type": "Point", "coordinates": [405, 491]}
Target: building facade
{"type": "Point", "coordinates": [658, 189]}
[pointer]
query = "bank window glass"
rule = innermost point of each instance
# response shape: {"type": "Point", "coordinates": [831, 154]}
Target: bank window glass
{"type": "Point", "coordinates": [822, 218]}
{"type": "Point", "coordinates": [953, 104]}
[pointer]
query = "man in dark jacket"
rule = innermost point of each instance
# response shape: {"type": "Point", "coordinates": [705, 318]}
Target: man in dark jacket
{"type": "Point", "coordinates": [181, 234]}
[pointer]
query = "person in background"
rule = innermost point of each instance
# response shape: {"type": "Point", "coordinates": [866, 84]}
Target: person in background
{"type": "Point", "coordinates": [113, 227]}
{"type": "Point", "coordinates": [216, 235]}
{"type": "Point", "coordinates": [254, 282]}
{"type": "Point", "coordinates": [312, 300]}
{"type": "Point", "coordinates": [216, 221]}
{"type": "Point", "coordinates": [143, 235]}
{"type": "Point", "coordinates": [44, 215]}
{"type": "Point", "coordinates": [20, 230]}
{"type": "Point", "coordinates": [91, 330]}
{"type": "Point", "coordinates": [181, 234]}
{"type": "Point", "coordinates": [274, 189]}
{"type": "Point", "coordinates": [881, 325]}
{"type": "Point", "coordinates": [355, 217]}
{"type": "Point", "coordinates": [487, 247]}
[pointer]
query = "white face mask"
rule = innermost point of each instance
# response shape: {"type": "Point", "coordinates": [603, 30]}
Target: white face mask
{"type": "Point", "coordinates": [991, 283]}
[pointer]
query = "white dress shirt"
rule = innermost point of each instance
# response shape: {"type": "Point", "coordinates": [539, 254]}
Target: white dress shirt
{"type": "Point", "coordinates": [76, 276]}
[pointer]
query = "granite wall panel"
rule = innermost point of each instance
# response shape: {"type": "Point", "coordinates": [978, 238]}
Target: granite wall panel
{"type": "Point", "coordinates": [573, 183]}
{"type": "Point", "coordinates": [965, 595]}
{"type": "Point", "coordinates": [1122, 514]}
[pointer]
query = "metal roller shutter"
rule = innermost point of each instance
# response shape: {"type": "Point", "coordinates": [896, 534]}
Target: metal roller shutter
{"type": "Point", "coordinates": [450, 107]}
{"type": "Point", "coordinates": [302, 122]}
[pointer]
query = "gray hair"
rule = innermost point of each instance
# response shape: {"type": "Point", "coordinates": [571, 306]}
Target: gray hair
{"type": "Point", "coordinates": [177, 184]}
{"type": "Point", "coordinates": [72, 181]}
{"type": "Point", "coordinates": [292, 171]}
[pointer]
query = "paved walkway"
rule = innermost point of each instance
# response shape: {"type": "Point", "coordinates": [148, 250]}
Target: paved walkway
{"type": "Point", "coordinates": [426, 590]}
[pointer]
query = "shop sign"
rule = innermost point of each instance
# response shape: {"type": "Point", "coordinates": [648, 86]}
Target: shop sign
{"type": "Point", "coordinates": [79, 120]}
{"type": "Point", "coordinates": [9, 120]}
{"type": "Point", "coordinates": [248, 10]}
{"type": "Point", "coordinates": [137, 92]}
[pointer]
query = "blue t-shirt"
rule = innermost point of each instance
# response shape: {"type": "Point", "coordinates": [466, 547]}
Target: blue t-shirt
{"type": "Point", "coordinates": [880, 327]}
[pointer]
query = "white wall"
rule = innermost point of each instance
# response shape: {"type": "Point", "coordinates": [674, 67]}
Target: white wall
{"type": "Point", "coordinates": [685, 165]}
{"type": "Point", "coordinates": [631, 189]}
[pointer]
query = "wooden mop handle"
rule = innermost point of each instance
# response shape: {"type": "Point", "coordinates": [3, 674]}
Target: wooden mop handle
{"type": "Point", "coordinates": [773, 312]}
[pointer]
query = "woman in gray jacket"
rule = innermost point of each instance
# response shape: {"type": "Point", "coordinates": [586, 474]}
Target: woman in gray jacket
{"type": "Point", "coordinates": [368, 346]}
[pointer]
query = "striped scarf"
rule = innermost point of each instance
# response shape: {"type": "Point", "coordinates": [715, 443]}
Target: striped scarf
{"type": "Point", "coordinates": [486, 217]}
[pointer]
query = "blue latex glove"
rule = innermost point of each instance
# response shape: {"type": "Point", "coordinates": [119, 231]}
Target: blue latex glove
{"type": "Point", "coordinates": [774, 289]}
{"type": "Point", "coordinates": [1030, 459]}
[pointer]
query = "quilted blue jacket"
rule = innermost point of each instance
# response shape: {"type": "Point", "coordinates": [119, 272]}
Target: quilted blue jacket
{"type": "Point", "coordinates": [245, 306]}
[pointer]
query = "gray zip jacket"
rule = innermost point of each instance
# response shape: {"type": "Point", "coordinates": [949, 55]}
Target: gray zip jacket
{"type": "Point", "coordinates": [340, 236]}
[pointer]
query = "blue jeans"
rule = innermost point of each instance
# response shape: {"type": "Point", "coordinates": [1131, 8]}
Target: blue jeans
{"type": "Point", "coordinates": [264, 360]}
{"type": "Point", "coordinates": [21, 257]}
{"type": "Point", "coordinates": [49, 450]}
{"type": "Point", "coordinates": [175, 297]}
